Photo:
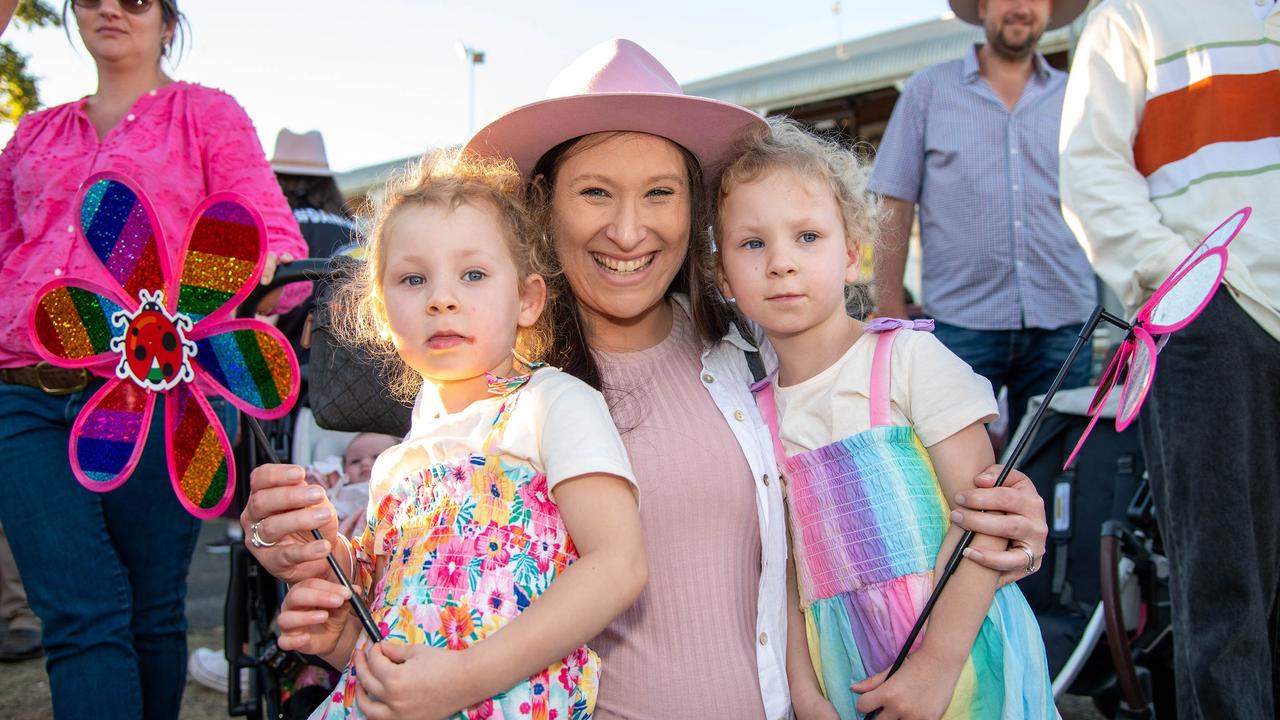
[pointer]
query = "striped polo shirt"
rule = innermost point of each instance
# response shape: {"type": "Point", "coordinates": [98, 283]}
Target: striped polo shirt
{"type": "Point", "coordinates": [997, 254]}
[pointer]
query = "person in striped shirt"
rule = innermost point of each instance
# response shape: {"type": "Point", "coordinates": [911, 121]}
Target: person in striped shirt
{"type": "Point", "coordinates": [1171, 123]}
{"type": "Point", "coordinates": [972, 141]}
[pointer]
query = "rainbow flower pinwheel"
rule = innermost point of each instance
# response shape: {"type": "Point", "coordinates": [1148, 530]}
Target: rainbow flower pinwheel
{"type": "Point", "coordinates": [161, 330]}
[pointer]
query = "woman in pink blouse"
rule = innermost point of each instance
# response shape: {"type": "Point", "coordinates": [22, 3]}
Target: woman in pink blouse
{"type": "Point", "coordinates": [107, 572]}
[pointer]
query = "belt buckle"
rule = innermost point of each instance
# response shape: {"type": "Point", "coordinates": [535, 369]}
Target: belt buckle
{"type": "Point", "coordinates": [77, 387]}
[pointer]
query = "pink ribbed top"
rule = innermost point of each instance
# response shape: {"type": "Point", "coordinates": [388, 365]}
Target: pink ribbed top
{"type": "Point", "coordinates": [686, 649]}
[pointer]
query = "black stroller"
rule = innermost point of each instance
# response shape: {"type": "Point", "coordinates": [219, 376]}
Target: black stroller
{"type": "Point", "coordinates": [1102, 597]}
{"type": "Point", "coordinates": [253, 595]}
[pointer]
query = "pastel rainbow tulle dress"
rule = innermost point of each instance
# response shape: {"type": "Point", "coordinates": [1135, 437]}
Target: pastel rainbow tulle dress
{"type": "Point", "coordinates": [867, 517]}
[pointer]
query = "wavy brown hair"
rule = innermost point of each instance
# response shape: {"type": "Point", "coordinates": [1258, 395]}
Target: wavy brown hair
{"type": "Point", "coordinates": [571, 350]}
{"type": "Point", "coordinates": [442, 179]}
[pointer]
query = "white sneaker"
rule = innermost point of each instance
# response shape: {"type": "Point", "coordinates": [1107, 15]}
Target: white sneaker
{"type": "Point", "coordinates": [209, 668]}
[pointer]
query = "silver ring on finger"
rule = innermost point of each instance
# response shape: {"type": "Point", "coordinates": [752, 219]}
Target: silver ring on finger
{"type": "Point", "coordinates": [256, 539]}
{"type": "Point", "coordinates": [1031, 559]}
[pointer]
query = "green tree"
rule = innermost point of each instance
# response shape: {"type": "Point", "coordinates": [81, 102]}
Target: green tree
{"type": "Point", "coordinates": [18, 92]}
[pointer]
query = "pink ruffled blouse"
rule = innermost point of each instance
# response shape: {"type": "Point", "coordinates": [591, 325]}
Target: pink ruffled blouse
{"type": "Point", "coordinates": [180, 142]}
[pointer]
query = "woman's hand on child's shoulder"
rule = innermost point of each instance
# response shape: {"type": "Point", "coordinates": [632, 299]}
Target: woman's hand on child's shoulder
{"type": "Point", "coordinates": [920, 690]}
{"type": "Point", "coordinates": [313, 616]}
{"type": "Point", "coordinates": [278, 519]}
{"type": "Point", "coordinates": [410, 682]}
{"type": "Point", "coordinates": [1015, 511]}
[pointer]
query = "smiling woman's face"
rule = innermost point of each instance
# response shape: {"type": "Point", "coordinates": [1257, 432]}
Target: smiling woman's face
{"type": "Point", "coordinates": [621, 209]}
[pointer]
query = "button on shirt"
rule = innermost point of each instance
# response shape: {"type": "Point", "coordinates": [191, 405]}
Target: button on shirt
{"type": "Point", "coordinates": [726, 362]}
{"type": "Point", "coordinates": [997, 253]}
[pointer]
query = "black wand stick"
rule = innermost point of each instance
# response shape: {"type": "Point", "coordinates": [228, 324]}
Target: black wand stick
{"type": "Point", "coordinates": [357, 602]}
{"type": "Point", "coordinates": [1086, 332]}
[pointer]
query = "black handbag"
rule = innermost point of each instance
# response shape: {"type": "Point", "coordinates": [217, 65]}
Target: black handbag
{"type": "Point", "coordinates": [348, 387]}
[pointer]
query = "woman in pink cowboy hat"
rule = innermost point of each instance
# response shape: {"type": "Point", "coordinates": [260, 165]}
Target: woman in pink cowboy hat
{"type": "Point", "coordinates": [615, 160]}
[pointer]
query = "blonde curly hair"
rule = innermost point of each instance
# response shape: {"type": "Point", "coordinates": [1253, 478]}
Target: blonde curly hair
{"type": "Point", "coordinates": [789, 145]}
{"type": "Point", "coordinates": [442, 179]}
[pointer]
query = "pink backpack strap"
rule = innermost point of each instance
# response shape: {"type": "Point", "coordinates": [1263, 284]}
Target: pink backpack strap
{"type": "Point", "coordinates": [881, 380]}
{"type": "Point", "coordinates": [763, 391]}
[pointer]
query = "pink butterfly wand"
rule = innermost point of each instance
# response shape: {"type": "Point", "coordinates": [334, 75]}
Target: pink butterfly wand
{"type": "Point", "coordinates": [1178, 300]}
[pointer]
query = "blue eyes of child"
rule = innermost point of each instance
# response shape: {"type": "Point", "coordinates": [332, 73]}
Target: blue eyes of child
{"type": "Point", "coordinates": [757, 243]}
{"type": "Point", "coordinates": [469, 276]}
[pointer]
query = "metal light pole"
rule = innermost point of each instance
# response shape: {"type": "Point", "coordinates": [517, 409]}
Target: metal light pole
{"type": "Point", "coordinates": [472, 57]}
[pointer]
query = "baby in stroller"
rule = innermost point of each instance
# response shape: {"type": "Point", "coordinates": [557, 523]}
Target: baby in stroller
{"type": "Point", "coordinates": [346, 479]}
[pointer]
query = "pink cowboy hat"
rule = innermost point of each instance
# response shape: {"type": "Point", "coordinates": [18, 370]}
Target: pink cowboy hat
{"type": "Point", "coordinates": [615, 86]}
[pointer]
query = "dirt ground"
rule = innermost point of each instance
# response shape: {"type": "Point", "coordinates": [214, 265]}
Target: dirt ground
{"type": "Point", "coordinates": [24, 687]}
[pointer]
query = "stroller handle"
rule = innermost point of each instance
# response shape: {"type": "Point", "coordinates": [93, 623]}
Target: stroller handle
{"type": "Point", "coordinates": [313, 269]}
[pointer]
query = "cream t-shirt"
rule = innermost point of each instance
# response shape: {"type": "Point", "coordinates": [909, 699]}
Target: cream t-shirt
{"type": "Point", "coordinates": [559, 425]}
{"type": "Point", "coordinates": [932, 390]}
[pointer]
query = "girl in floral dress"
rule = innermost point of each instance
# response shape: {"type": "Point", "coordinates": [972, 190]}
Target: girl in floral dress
{"type": "Point", "coordinates": [876, 426]}
{"type": "Point", "coordinates": [509, 506]}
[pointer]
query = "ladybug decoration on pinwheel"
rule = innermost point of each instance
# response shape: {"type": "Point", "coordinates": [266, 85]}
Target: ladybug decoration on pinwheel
{"type": "Point", "coordinates": [164, 331]}
{"type": "Point", "coordinates": [153, 356]}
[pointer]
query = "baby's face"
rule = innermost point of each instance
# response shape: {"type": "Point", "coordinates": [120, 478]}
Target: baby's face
{"type": "Point", "coordinates": [363, 450]}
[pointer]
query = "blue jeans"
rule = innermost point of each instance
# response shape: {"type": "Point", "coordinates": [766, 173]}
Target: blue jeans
{"type": "Point", "coordinates": [106, 572]}
{"type": "Point", "coordinates": [1024, 361]}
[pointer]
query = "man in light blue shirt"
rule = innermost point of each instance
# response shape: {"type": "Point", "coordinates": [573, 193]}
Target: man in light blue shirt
{"type": "Point", "coordinates": [974, 142]}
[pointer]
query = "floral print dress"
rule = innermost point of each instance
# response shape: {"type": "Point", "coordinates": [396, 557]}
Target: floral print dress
{"type": "Point", "coordinates": [467, 544]}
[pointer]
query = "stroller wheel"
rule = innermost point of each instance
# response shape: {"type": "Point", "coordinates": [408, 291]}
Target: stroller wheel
{"type": "Point", "coordinates": [1159, 685]}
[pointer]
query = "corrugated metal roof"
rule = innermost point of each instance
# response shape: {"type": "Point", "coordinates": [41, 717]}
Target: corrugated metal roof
{"type": "Point", "coordinates": [852, 67]}
{"type": "Point", "coordinates": [357, 182]}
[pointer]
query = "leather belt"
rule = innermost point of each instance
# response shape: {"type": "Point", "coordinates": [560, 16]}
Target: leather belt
{"type": "Point", "coordinates": [51, 379]}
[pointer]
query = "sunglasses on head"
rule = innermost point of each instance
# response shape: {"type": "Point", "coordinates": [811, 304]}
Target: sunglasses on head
{"type": "Point", "coordinates": [135, 7]}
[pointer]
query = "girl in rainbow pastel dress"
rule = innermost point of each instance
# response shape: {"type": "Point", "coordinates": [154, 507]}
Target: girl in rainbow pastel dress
{"type": "Point", "coordinates": [875, 427]}
{"type": "Point", "coordinates": [510, 506]}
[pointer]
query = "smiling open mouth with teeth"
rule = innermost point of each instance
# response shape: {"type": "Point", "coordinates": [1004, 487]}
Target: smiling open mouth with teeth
{"type": "Point", "coordinates": [623, 267]}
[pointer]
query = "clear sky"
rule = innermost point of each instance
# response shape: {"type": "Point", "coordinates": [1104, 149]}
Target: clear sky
{"type": "Point", "coordinates": [382, 78]}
